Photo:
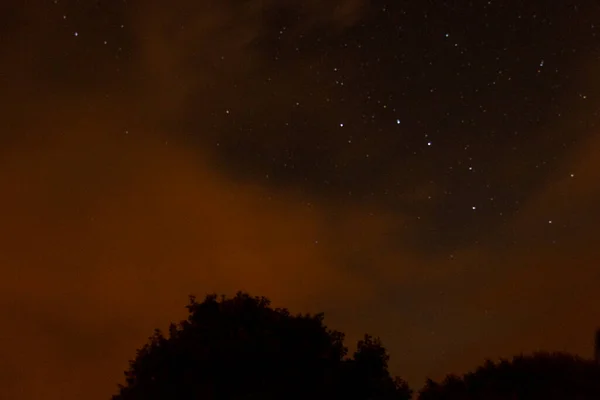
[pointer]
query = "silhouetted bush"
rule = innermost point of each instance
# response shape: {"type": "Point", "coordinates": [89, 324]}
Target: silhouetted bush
{"type": "Point", "coordinates": [546, 376]}
{"type": "Point", "coordinates": [241, 348]}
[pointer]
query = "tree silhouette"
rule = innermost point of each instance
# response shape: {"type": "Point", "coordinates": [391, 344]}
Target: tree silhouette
{"type": "Point", "coordinates": [542, 375]}
{"type": "Point", "coordinates": [241, 348]}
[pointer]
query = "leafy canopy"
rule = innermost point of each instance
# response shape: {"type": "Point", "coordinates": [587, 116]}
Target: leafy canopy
{"type": "Point", "coordinates": [242, 348]}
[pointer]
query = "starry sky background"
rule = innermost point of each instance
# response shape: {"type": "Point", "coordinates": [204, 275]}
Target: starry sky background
{"type": "Point", "coordinates": [424, 171]}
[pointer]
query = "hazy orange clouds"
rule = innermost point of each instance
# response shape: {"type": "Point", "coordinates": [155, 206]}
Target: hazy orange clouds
{"type": "Point", "coordinates": [106, 233]}
{"type": "Point", "coordinates": [110, 219]}
{"type": "Point", "coordinates": [182, 48]}
{"type": "Point", "coordinates": [539, 294]}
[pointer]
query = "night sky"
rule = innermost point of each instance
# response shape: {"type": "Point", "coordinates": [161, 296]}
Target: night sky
{"type": "Point", "coordinates": [425, 171]}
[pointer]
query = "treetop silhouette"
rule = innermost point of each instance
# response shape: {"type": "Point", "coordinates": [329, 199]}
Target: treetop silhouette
{"type": "Point", "coordinates": [242, 348]}
{"type": "Point", "coordinates": [542, 375]}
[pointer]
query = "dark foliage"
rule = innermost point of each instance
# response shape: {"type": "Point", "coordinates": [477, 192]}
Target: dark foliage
{"type": "Point", "coordinates": [241, 348]}
{"type": "Point", "coordinates": [546, 376]}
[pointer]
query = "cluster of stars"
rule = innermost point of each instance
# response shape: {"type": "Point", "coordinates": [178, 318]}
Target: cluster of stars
{"type": "Point", "coordinates": [392, 99]}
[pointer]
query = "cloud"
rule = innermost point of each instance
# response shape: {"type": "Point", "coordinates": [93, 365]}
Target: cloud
{"type": "Point", "coordinates": [193, 47]}
{"type": "Point", "coordinates": [110, 219]}
{"type": "Point", "coordinates": [106, 233]}
{"type": "Point", "coordinates": [534, 285]}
